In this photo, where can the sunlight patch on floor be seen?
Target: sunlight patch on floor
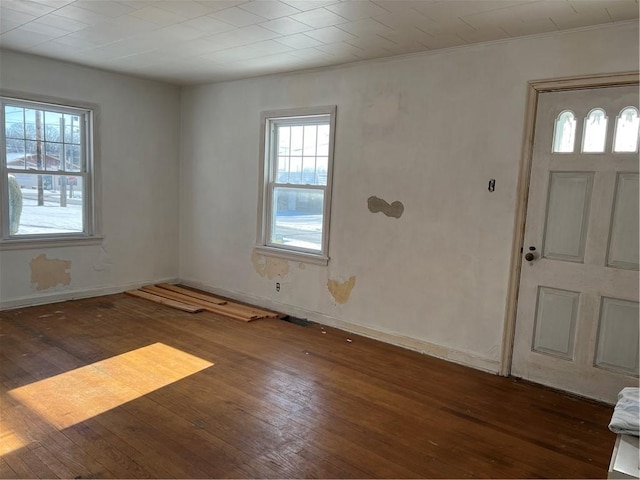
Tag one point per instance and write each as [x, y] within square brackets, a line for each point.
[77, 395]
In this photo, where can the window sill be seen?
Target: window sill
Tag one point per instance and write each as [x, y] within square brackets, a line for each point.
[33, 243]
[291, 255]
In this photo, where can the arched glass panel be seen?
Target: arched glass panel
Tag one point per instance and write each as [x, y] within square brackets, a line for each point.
[595, 131]
[627, 128]
[564, 134]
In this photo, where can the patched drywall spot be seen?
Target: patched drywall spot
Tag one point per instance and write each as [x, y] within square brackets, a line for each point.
[269, 267]
[302, 266]
[376, 205]
[341, 290]
[49, 272]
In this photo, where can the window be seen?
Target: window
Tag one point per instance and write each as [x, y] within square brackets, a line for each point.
[296, 166]
[564, 134]
[47, 172]
[627, 127]
[595, 131]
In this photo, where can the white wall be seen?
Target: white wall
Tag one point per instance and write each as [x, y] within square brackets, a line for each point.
[428, 130]
[138, 133]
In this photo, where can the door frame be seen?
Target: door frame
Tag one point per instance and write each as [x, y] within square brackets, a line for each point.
[535, 88]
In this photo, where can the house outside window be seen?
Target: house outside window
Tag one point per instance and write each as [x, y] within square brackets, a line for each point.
[296, 171]
[47, 173]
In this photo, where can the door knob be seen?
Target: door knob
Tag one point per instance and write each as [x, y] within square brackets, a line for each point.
[529, 257]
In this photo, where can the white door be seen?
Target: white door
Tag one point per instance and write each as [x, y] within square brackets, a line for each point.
[577, 319]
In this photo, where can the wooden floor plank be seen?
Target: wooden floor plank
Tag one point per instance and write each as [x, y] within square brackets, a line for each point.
[282, 401]
[185, 307]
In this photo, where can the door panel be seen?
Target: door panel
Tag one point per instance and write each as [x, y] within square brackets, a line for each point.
[577, 318]
[623, 248]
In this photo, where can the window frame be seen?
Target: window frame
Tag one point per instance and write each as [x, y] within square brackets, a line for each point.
[269, 120]
[89, 171]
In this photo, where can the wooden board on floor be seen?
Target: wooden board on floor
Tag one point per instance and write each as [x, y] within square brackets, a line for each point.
[212, 298]
[210, 307]
[185, 307]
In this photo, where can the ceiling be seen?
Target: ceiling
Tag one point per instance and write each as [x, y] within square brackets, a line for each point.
[188, 41]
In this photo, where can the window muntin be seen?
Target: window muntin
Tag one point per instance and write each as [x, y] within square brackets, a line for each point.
[295, 204]
[627, 131]
[46, 172]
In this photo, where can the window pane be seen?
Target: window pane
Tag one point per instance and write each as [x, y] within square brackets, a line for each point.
[322, 166]
[297, 218]
[30, 122]
[296, 140]
[283, 170]
[71, 129]
[14, 122]
[52, 126]
[16, 155]
[52, 157]
[595, 131]
[323, 140]
[627, 129]
[73, 159]
[284, 137]
[310, 139]
[61, 208]
[564, 135]
[309, 170]
[295, 170]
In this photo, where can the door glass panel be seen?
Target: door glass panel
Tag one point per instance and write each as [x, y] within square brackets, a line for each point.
[627, 128]
[564, 134]
[595, 131]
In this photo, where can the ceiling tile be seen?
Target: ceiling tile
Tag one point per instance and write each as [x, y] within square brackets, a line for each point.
[80, 14]
[298, 41]
[238, 17]
[191, 48]
[395, 6]
[621, 10]
[241, 36]
[270, 9]
[156, 15]
[319, 18]
[105, 7]
[305, 5]
[19, 38]
[185, 8]
[42, 29]
[286, 26]
[582, 19]
[365, 27]
[232, 54]
[357, 10]
[15, 16]
[6, 25]
[271, 47]
[484, 35]
[329, 35]
[216, 5]
[340, 49]
[61, 22]
[445, 40]
[375, 42]
[402, 19]
[26, 6]
[515, 29]
[208, 25]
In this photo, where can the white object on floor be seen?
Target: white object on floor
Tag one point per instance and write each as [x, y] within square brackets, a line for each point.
[625, 462]
[626, 414]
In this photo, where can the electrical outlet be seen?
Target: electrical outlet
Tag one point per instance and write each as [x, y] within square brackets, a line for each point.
[277, 286]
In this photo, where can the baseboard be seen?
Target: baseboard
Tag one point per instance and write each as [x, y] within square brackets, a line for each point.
[63, 296]
[456, 356]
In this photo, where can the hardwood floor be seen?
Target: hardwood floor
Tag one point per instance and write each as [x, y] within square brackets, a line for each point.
[121, 387]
